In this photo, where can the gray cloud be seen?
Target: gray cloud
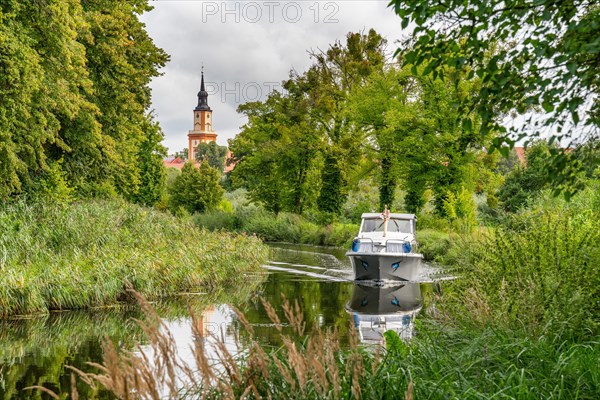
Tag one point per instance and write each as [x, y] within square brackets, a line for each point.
[242, 57]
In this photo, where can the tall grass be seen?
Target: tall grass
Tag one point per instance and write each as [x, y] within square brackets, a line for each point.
[86, 254]
[434, 244]
[443, 361]
[538, 271]
[455, 361]
[522, 322]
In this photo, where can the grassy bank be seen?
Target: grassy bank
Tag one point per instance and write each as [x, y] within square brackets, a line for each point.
[444, 361]
[85, 254]
[284, 227]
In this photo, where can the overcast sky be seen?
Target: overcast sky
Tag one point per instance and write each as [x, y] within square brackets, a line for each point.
[247, 47]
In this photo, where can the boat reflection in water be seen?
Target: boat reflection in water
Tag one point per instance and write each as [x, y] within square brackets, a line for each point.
[376, 310]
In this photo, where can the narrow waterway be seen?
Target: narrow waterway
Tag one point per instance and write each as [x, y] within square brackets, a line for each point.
[36, 350]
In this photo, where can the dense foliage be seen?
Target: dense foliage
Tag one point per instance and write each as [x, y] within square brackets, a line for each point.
[521, 322]
[548, 254]
[539, 59]
[283, 227]
[303, 140]
[213, 154]
[196, 189]
[355, 132]
[75, 98]
[353, 116]
[419, 142]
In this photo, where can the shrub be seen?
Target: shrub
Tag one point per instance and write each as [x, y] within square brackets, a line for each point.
[215, 220]
[431, 221]
[433, 244]
[196, 189]
[461, 209]
[340, 235]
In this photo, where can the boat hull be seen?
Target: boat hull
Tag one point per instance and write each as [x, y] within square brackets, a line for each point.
[385, 266]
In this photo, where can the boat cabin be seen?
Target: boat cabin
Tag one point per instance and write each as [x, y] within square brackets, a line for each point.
[399, 226]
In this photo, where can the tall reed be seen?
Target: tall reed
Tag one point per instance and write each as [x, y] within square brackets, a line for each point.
[308, 365]
[284, 227]
[86, 254]
[443, 361]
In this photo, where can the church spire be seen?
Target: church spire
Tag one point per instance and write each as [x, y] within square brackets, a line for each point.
[202, 96]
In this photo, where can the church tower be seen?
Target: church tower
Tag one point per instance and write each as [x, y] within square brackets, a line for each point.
[203, 131]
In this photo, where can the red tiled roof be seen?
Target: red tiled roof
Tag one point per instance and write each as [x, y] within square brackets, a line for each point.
[229, 163]
[520, 154]
[174, 163]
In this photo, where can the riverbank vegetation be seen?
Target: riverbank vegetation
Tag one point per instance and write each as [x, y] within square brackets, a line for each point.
[282, 227]
[76, 103]
[357, 131]
[519, 323]
[88, 253]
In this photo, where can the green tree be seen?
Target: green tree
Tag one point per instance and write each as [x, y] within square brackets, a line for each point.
[74, 95]
[121, 60]
[543, 64]
[213, 153]
[153, 174]
[277, 152]
[196, 189]
[526, 181]
[302, 143]
[411, 122]
[183, 154]
[43, 88]
[328, 85]
[369, 105]
[508, 164]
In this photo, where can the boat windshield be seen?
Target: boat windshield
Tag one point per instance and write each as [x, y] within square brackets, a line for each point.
[394, 225]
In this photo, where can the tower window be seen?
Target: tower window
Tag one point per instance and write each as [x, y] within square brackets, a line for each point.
[197, 116]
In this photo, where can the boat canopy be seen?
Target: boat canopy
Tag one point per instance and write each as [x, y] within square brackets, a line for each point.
[392, 216]
[374, 225]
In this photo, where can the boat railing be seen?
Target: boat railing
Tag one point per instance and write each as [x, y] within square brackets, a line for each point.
[367, 245]
[363, 247]
[397, 246]
[394, 246]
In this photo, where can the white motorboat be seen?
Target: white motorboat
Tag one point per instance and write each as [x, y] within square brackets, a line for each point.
[385, 248]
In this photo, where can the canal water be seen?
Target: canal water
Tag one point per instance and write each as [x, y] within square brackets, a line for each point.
[37, 350]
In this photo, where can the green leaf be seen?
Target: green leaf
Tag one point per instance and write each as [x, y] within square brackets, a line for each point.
[547, 106]
[395, 345]
[467, 124]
